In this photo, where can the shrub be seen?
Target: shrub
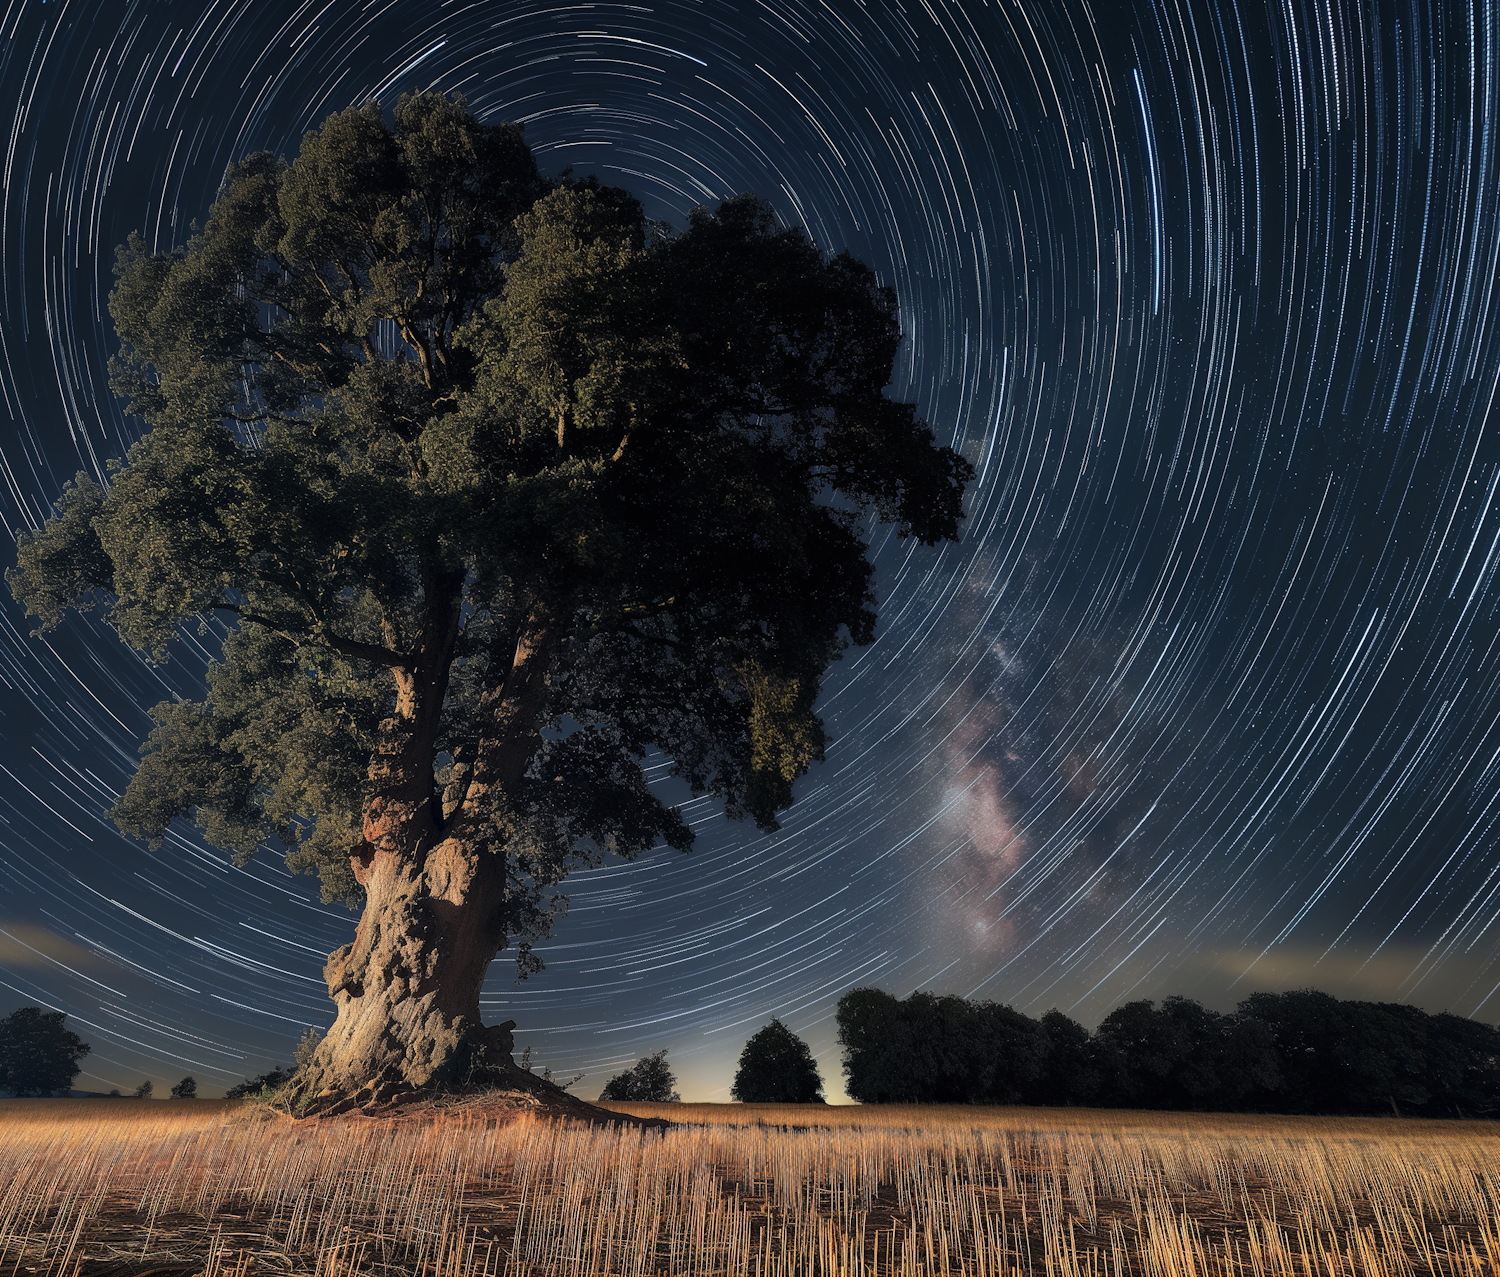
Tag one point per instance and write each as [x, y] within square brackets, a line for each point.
[272, 1081]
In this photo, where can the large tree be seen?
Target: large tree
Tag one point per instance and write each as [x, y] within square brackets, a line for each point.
[38, 1056]
[776, 1067]
[499, 491]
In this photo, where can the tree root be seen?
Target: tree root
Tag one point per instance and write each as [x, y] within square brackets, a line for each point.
[509, 1092]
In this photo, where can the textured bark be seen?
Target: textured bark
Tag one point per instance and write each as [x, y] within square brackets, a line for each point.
[407, 988]
[515, 708]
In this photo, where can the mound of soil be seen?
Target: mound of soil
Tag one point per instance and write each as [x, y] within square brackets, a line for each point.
[520, 1094]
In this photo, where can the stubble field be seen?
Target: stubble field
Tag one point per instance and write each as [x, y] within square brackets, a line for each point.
[93, 1187]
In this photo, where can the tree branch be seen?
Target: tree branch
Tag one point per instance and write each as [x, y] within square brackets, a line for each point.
[424, 356]
[352, 648]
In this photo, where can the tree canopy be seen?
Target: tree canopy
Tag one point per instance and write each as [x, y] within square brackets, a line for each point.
[776, 1067]
[932, 1049]
[1297, 1052]
[649, 1081]
[38, 1055]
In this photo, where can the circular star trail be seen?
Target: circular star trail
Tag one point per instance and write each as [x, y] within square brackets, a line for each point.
[1205, 701]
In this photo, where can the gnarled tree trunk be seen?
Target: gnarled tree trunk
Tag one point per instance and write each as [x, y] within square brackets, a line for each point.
[407, 988]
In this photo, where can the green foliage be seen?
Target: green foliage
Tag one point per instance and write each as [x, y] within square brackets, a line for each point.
[414, 413]
[649, 1082]
[1181, 1055]
[38, 1056]
[930, 1049]
[1299, 1052]
[280, 744]
[261, 1086]
[307, 1046]
[67, 567]
[776, 1067]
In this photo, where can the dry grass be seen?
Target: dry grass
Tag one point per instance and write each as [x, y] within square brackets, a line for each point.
[89, 1187]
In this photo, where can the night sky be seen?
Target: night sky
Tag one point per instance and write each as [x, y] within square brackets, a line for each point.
[1206, 700]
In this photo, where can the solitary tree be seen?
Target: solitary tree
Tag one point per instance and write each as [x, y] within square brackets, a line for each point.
[38, 1056]
[496, 490]
[187, 1089]
[144, 1090]
[776, 1067]
[650, 1081]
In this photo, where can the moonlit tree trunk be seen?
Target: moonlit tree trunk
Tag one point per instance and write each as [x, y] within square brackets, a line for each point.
[407, 988]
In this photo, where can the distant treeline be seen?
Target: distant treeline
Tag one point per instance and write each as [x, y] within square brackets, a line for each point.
[1303, 1052]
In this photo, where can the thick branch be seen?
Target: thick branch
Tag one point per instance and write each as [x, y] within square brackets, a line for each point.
[351, 648]
[413, 339]
[404, 814]
[515, 710]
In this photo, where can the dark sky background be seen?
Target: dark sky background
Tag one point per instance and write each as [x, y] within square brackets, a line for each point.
[1205, 701]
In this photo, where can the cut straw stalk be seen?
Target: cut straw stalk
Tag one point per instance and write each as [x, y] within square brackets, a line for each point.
[747, 1189]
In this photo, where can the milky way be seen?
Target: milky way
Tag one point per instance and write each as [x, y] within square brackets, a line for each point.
[1205, 701]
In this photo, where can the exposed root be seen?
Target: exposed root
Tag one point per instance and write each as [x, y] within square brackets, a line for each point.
[515, 1093]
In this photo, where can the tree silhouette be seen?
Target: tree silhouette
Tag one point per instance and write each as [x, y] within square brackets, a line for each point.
[776, 1067]
[1070, 1073]
[495, 491]
[931, 1049]
[650, 1081]
[277, 1078]
[38, 1056]
[1181, 1055]
[1297, 1052]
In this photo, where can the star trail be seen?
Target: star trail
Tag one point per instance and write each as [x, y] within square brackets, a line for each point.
[1205, 701]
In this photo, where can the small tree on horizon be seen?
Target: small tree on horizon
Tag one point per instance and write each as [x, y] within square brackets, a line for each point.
[776, 1067]
[274, 1080]
[489, 491]
[650, 1081]
[187, 1089]
[144, 1090]
[38, 1055]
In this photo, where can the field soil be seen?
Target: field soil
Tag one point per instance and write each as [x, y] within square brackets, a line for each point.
[509, 1185]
